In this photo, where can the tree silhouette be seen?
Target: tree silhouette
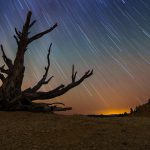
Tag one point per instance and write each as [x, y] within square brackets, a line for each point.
[11, 95]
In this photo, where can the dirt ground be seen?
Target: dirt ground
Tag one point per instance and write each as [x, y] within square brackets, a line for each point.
[43, 131]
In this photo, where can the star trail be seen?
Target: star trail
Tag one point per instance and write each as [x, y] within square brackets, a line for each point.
[110, 36]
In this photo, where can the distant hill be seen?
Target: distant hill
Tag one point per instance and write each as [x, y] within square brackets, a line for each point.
[142, 110]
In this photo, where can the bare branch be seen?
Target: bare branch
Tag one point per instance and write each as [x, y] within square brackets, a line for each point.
[73, 74]
[7, 60]
[27, 23]
[39, 35]
[43, 79]
[39, 84]
[56, 103]
[60, 90]
[3, 70]
[33, 22]
[18, 33]
[17, 41]
[61, 109]
[2, 77]
[47, 81]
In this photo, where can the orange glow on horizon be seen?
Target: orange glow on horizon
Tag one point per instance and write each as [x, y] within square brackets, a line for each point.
[113, 111]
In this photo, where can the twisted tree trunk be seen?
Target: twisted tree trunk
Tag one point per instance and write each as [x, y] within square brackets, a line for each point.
[11, 95]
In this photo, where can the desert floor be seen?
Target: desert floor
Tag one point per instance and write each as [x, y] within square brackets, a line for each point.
[43, 131]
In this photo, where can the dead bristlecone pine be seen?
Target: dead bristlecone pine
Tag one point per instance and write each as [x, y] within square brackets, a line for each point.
[12, 74]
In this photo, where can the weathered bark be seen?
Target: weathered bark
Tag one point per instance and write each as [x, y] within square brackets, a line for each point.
[11, 95]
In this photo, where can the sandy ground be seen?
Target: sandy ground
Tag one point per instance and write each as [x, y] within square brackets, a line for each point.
[42, 131]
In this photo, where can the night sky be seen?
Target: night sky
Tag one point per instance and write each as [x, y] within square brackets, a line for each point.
[110, 36]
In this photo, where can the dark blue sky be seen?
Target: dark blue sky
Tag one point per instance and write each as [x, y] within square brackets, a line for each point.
[110, 36]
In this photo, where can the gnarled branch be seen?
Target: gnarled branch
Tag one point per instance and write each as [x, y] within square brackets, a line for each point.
[18, 33]
[73, 74]
[33, 22]
[2, 77]
[60, 90]
[7, 60]
[39, 35]
[17, 41]
[43, 79]
[27, 23]
[17, 37]
[3, 70]
[56, 103]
